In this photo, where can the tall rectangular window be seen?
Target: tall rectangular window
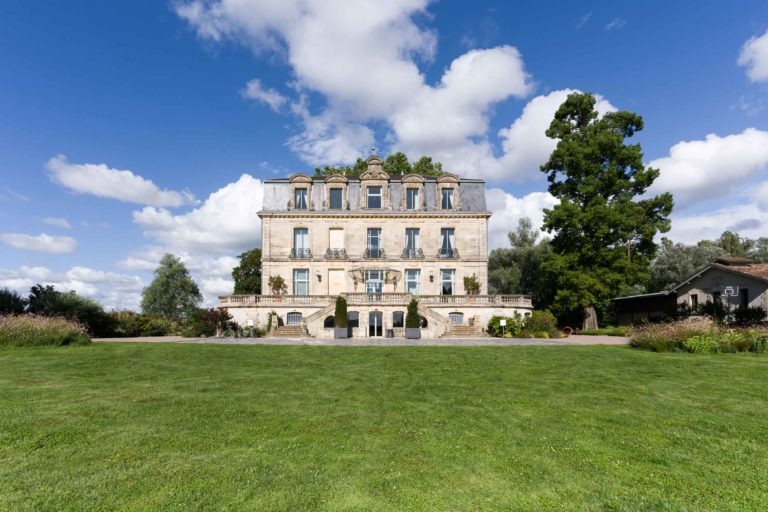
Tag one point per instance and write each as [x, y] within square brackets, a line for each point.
[373, 198]
[446, 201]
[743, 298]
[694, 301]
[447, 281]
[374, 245]
[411, 198]
[412, 239]
[301, 243]
[335, 199]
[301, 281]
[447, 242]
[412, 281]
[300, 199]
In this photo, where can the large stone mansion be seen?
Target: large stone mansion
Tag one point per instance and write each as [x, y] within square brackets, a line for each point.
[379, 241]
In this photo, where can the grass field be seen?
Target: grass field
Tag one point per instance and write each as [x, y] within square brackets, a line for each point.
[202, 427]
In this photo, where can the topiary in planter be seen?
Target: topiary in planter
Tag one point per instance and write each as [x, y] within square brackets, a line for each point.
[412, 321]
[340, 321]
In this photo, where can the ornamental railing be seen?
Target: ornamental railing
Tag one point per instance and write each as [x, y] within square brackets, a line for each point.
[448, 253]
[412, 254]
[336, 254]
[521, 301]
[301, 254]
[373, 253]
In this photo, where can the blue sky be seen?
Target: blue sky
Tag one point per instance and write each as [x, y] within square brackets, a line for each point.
[198, 101]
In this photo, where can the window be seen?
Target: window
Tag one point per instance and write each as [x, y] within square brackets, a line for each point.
[694, 300]
[374, 281]
[301, 281]
[353, 320]
[447, 243]
[374, 197]
[336, 199]
[446, 202]
[412, 244]
[412, 281]
[374, 247]
[411, 198]
[300, 199]
[293, 319]
[328, 323]
[743, 298]
[716, 298]
[301, 243]
[456, 318]
[447, 278]
[397, 319]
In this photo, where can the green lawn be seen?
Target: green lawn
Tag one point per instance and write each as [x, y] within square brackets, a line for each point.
[202, 427]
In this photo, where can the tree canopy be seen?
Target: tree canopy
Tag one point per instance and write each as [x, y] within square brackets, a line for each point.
[172, 294]
[677, 262]
[247, 274]
[11, 303]
[602, 233]
[396, 164]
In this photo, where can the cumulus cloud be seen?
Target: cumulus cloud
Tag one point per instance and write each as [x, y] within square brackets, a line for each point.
[40, 243]
[102, 181]
[754, 57]
[58, 222]
[255, 91]
[748, 219]
[508, 210]
[701, 170]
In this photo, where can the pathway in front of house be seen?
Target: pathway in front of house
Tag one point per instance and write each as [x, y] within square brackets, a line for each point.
[384, 342]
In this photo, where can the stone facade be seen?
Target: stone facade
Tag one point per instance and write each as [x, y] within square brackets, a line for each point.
[380, 241]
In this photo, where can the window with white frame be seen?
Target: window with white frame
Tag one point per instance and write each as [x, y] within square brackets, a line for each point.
[412, 242]
[301, 243]
[373, 197]
[447, 242]
[446, 201]
[301, 281]
[447, 281]
[374, 245]
[411, 198]
[300, 199]
[412, 281]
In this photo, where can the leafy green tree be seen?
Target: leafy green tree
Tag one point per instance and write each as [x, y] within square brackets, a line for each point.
[519, 269]
[172, 294]
[603, 234]
[734, 245]
[11, 303]
[47, 301]
[759, 250]
[351, 172]
[424, 166]
[247, 274]
[677, 262]
[397, 164]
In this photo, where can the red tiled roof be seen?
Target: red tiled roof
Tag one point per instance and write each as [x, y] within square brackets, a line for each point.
[734, 260]
[756, 269]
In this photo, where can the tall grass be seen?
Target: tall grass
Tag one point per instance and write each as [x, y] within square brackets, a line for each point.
[697, 337]
[34, 330]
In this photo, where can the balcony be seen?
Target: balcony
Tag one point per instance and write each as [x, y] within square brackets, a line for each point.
[412, 254]
[509, 301]
[336, 254]
[301, 254]
[447, 254]
[373, 253]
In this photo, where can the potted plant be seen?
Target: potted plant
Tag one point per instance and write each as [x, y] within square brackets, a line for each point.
[277, 286]
[340, 330]
[412, 321]
[471, 287]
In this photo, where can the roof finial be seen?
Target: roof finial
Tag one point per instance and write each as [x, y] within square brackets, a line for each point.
[373, 150]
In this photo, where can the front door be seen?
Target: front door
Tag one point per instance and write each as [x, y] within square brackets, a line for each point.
[336, 282]
[375, 320]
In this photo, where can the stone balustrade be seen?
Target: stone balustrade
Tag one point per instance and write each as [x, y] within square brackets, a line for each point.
[520, 301]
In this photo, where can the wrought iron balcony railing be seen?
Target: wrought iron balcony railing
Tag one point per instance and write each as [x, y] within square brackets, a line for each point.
[448, 253]
[413, 254]
[374, 253]
[336, 254]
[301, 254]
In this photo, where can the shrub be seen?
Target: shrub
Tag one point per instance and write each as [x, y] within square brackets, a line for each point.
[607, 331]
[11, 303]
[209, 322]
[749, 316]
[471, 285]
[277, 285]
[412, 320]
[541, 334]
[130, 324]
[35, 330]
[542, 321]
[667, 337]
[47, 301]
[701, 344]
[514, 326]
[340, 319]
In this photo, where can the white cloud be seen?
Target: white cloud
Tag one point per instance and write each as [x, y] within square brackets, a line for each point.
[508, 210]
[701, 170]
[748, 219]
[8, 194]
[102, 181]
[58, 222]
[754, 56]
[615, 24]
[40, 243]
[255, 91]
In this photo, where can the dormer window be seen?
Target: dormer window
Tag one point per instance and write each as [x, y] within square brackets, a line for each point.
[446, 201]
[335, 199]
[300, 199]
[411, 198]
[373, 197]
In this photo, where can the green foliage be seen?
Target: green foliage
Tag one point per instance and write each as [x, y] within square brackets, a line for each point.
[620, 330]
[340, 314]
[471, 285]
[351, 172]
[11, 303]
[412, 320]
[677, 262]
[603, 235]
[397, 164]
[130, 324]
[172, 294]
[701, 344]
[277, 285]
[512, 330]
[542, 321]
[749, 315]
[424, 166]
[209, 322]
[697, 338]
[47, 301]
[34, 330]
[519, 268]
[734, 245]
[247, 274]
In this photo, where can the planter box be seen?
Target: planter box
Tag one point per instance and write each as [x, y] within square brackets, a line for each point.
[412, 333]
[340, 333]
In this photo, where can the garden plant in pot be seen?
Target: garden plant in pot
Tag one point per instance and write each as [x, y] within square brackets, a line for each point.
[277, 286]
[340, 319]
[412, 321]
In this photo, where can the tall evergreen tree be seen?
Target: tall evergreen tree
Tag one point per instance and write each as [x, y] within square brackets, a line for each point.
[603, 234]
[247, 274]
[172, 294]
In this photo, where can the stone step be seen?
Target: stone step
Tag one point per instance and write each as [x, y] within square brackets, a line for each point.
[290, 331]
[463, 331]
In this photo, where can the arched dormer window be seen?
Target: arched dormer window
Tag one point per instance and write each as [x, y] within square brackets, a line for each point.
[374, 186]
[301, 192]
[448, 192]
[336, 193]
[413, 192]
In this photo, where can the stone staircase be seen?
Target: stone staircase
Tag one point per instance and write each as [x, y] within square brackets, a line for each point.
[463, 331]
[291, 331]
